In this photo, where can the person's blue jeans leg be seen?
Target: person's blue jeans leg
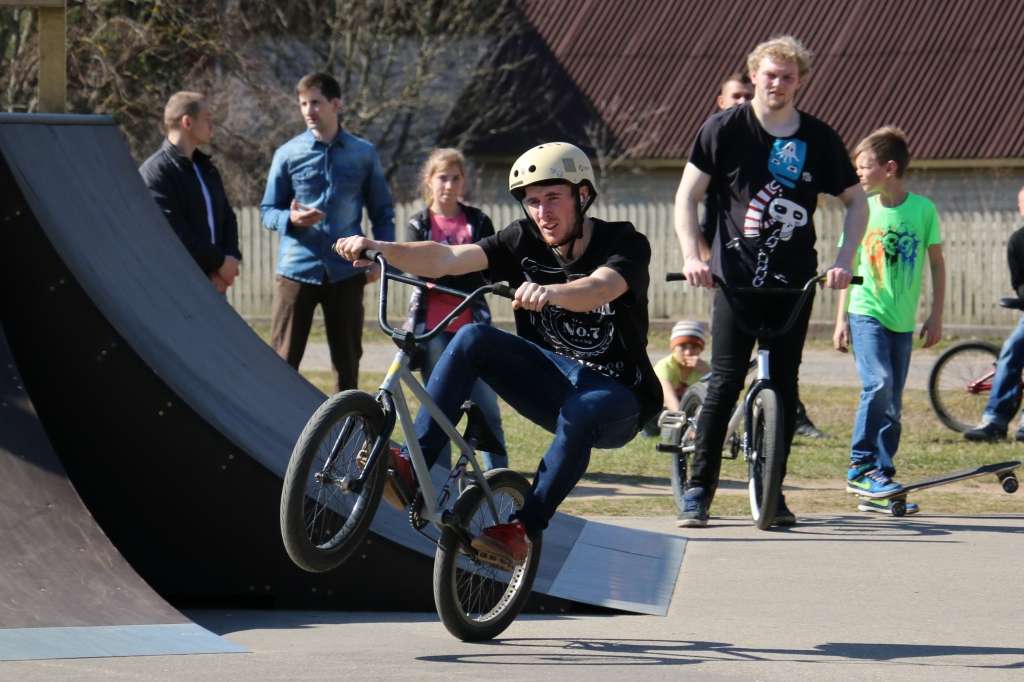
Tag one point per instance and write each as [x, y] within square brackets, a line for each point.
[581, 407]
[873, 356]
[1005, 394]
[900, 346]
[481, 395]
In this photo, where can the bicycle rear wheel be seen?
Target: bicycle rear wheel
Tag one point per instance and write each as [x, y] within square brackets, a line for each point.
[322, 519]
[764, 468]
[477, 601]
[960, 382]
[690, 405]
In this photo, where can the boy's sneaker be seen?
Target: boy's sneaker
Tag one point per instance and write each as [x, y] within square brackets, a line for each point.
[504, 545]
[695, 509]
[1019, 436]
[783, 515]
[986, 433]
[405, 477]
[870, 482]
[884, 506]
[804, 426]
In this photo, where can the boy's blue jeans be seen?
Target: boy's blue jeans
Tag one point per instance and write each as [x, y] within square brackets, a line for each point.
[1005, 393]
[883, 359]
[481, 394]
[582, 407]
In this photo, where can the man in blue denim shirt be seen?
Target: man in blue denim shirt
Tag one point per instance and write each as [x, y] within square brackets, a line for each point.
[318, 184]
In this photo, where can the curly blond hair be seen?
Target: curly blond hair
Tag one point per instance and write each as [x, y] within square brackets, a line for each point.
[782, 49]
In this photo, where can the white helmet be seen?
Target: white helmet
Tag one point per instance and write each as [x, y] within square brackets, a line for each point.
[551, 161]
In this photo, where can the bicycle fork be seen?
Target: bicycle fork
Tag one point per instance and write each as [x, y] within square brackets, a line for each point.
[763, 378]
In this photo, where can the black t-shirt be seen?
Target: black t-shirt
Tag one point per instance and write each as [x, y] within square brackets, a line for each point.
[611, 339]
[763, 193]
[1015, 257]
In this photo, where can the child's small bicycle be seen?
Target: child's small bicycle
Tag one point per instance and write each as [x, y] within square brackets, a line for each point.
[337, 472]
[961, 379]
[763, 442]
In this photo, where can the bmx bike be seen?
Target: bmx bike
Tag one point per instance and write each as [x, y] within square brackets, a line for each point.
[961, 379]
[337, 471]
[763, 440]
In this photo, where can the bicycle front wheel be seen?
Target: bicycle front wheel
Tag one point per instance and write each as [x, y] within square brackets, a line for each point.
[960, 382]
[323, 519]
[477, 601]
[764, 467]
[690, 405]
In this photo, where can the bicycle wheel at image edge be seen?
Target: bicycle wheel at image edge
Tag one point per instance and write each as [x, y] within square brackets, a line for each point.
[959, 406]
[322, 523]
[690, 405]
[477, 601]
[764, 470]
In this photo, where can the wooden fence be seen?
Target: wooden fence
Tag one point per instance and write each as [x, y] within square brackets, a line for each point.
[974, 246]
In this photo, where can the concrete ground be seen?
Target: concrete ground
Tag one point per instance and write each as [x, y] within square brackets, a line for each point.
[835, 598]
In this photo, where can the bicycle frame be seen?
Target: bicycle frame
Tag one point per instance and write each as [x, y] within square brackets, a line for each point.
[762, 381]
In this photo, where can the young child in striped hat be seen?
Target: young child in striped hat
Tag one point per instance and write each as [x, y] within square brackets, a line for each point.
[684, 366]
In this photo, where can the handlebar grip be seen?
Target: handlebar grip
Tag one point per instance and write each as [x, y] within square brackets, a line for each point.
[504, 290]
[675, 277]
[369, 254]
[857, 279]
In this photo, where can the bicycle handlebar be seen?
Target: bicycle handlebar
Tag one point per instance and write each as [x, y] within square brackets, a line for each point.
[804, 293]
[406, 336]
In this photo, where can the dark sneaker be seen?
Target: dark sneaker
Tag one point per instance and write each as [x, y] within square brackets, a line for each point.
[504, 545]
[804, 426]
[403, 476]
[884, 506]
[695, 509]
[1019, 436]
[783, 515]
[870, 483]
[986, 433]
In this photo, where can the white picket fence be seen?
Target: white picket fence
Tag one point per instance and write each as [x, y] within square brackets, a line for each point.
[974, 246]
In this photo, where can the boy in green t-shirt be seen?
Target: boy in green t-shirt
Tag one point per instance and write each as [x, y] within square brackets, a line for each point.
[902, 228]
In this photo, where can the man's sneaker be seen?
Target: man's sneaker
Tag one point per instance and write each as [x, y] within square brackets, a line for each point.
[804, 426]
[870, 483]
[504, 545]
[986, 433]
[884, 506]
[403, 477]
[1019, 436]
[695, 509]
[783, 515]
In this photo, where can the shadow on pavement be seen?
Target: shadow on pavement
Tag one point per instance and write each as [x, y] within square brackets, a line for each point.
[666, 652]
[859, 528]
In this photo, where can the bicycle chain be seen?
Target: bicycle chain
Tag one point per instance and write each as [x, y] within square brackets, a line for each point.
[417, 521]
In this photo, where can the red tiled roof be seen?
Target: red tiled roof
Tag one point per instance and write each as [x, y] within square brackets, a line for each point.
[949, 72]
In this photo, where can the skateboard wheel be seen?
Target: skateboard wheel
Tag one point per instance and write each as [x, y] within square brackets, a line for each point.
[1010, 484]
[899, 508]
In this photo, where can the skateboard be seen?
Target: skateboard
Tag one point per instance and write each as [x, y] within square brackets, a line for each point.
[1004, 471]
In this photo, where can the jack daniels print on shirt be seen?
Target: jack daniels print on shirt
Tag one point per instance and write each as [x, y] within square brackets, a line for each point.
[765, 192]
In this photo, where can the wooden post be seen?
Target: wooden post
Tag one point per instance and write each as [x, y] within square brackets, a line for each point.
[53, 65]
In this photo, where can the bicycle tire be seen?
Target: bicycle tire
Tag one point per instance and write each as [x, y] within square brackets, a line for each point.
[764, 469]
[690, 405]
[956, 407]
[321, 525]
[477, 601]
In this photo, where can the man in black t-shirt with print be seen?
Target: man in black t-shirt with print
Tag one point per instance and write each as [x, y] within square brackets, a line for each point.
[578, 366]
[762, 166]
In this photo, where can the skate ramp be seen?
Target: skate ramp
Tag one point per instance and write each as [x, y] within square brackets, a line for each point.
[175, 421]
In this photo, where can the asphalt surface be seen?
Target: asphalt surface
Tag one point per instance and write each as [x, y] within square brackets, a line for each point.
[835, 598]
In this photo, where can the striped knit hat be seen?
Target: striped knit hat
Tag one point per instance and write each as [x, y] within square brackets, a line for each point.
[687, 331]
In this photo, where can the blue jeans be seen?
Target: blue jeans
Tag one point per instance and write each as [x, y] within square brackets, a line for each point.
[883, 358]
[481, 394]
[1005, 394]
[581, 407]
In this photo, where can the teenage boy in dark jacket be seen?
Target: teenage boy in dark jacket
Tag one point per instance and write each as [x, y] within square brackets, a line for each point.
[188, 189]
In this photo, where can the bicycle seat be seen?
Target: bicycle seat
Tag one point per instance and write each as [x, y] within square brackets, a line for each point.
[478, 433]
[1012, 302]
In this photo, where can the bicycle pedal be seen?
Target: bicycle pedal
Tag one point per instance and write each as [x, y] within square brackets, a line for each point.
[495, 560]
